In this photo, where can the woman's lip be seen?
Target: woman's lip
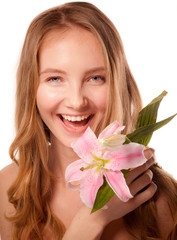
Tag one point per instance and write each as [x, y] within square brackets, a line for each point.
[78, 130]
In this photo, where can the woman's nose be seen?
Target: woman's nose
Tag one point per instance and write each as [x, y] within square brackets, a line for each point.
[76, 98]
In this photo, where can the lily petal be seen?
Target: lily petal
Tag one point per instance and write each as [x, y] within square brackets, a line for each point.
[118, 184]
[113, 142]
[128, 156]
[89, 186]
[73, 173]
[85, 145]
[111, 129]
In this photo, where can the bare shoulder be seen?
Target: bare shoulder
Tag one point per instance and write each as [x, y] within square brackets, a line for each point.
[7, 176]
[9, 169]
[164, 215]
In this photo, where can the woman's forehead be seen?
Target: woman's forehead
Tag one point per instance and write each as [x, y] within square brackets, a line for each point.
[72, 43]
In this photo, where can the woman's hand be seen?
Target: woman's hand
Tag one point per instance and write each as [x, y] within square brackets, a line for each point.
[90, 226]
[141, 187]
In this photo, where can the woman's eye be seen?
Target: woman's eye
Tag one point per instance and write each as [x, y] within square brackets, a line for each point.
[98, 79]
[54, 79]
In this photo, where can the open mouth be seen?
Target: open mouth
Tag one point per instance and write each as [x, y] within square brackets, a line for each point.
[75, 122]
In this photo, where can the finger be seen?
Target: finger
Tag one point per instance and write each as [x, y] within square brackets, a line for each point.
[148, 153]
[145, 195]
[141, 182]
[134, 173]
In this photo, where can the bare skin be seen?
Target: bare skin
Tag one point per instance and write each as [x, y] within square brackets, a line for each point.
[101, 225]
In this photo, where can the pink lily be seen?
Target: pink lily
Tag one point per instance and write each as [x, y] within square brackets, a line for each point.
[105, 156]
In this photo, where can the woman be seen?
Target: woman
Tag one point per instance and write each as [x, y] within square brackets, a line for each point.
[73, 74]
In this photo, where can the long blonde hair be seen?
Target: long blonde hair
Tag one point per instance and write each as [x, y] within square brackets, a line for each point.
[30, 193]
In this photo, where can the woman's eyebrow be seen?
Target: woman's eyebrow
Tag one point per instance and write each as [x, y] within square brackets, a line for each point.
[95, 70]
[51, 70]
[87, 72]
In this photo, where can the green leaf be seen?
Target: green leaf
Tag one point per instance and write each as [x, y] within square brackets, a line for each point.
[148, 115]
[104, 194]
[143, 135]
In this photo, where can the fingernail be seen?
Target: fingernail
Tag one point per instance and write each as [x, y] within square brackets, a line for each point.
[149, 153]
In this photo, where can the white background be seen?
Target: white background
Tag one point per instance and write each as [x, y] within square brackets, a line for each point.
[149, 32]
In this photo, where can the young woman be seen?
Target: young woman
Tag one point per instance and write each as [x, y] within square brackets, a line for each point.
[73, 74]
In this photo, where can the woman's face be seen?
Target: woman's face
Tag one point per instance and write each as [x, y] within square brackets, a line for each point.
[72, 92]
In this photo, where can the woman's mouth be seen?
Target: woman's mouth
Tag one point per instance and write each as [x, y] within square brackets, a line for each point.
[75, 123]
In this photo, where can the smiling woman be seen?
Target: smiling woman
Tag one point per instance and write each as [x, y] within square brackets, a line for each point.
[73, 80]
[69, 78]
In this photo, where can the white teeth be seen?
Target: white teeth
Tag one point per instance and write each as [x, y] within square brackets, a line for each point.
[74, 119]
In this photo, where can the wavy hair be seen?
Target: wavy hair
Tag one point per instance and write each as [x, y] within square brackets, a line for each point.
[30, 192]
